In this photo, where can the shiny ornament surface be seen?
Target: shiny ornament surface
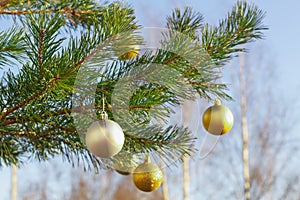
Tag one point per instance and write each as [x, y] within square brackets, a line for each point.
[128, 55]
[125, 162]
[147, 177]
[217, 119]
[104, 138]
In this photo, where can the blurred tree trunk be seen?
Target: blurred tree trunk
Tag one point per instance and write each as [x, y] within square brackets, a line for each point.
[14, 182]
[245, 149]
[165, 189]
[81, 190]
[188, 109]
[186, 179]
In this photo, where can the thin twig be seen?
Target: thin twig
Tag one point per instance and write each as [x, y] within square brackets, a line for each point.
[66, 11]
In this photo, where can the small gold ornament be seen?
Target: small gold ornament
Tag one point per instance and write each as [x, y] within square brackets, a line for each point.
[147, 177]
[128, 55]
[217, 119]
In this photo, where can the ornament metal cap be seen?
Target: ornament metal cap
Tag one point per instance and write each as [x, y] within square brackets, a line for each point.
[217, 102]
[103, 115]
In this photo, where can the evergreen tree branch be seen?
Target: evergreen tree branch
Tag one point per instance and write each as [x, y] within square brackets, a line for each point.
[171, 142]
[76, 12]
[242, 25]
[36, 104]
[45, 85]
[11, 46]
[52, 47]
[39, 55]
[28, 100]
[198, 67]
[187, 23]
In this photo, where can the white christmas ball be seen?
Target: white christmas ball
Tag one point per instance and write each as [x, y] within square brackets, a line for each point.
[104, 138]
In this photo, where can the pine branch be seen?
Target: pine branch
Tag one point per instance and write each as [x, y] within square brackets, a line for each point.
[31, 99]
[11, 46]
[242, 25]
[187, 23]
[49, 53]
[37, 105]
[200, 70]
[76, 12]
[43, 48]
[26, 101]
[172, 143]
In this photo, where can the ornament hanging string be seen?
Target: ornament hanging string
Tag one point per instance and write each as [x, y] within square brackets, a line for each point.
[103, 114]
[103, 103]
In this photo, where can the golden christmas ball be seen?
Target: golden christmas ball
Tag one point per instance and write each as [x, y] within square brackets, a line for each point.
[128, 55]
[147, 177]
[217, 119]
[104, 138]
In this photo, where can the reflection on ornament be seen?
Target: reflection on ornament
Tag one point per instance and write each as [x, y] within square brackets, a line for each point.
[125, 173]
[217, 119]
[104, 138]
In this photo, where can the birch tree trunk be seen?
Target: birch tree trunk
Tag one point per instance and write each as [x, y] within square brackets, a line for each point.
[245, 149]
[165, 190]
[187, 109]
[186, 179]
[14, 182]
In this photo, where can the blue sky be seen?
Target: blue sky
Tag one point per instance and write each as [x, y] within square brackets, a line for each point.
[282, 42]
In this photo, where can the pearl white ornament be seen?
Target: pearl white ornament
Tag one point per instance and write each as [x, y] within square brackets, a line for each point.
[104, 138]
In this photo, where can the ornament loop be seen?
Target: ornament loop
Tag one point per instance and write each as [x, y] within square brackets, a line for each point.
[103, 115]
[147, 158]
[217, 102]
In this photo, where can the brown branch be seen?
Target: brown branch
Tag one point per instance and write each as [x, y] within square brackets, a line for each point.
[67, 11]
[40, 134]
[210, 85]
[240, 30]
[148, 141]
[174, 59]
[13, 120]
[210, 49]
[9, 49]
